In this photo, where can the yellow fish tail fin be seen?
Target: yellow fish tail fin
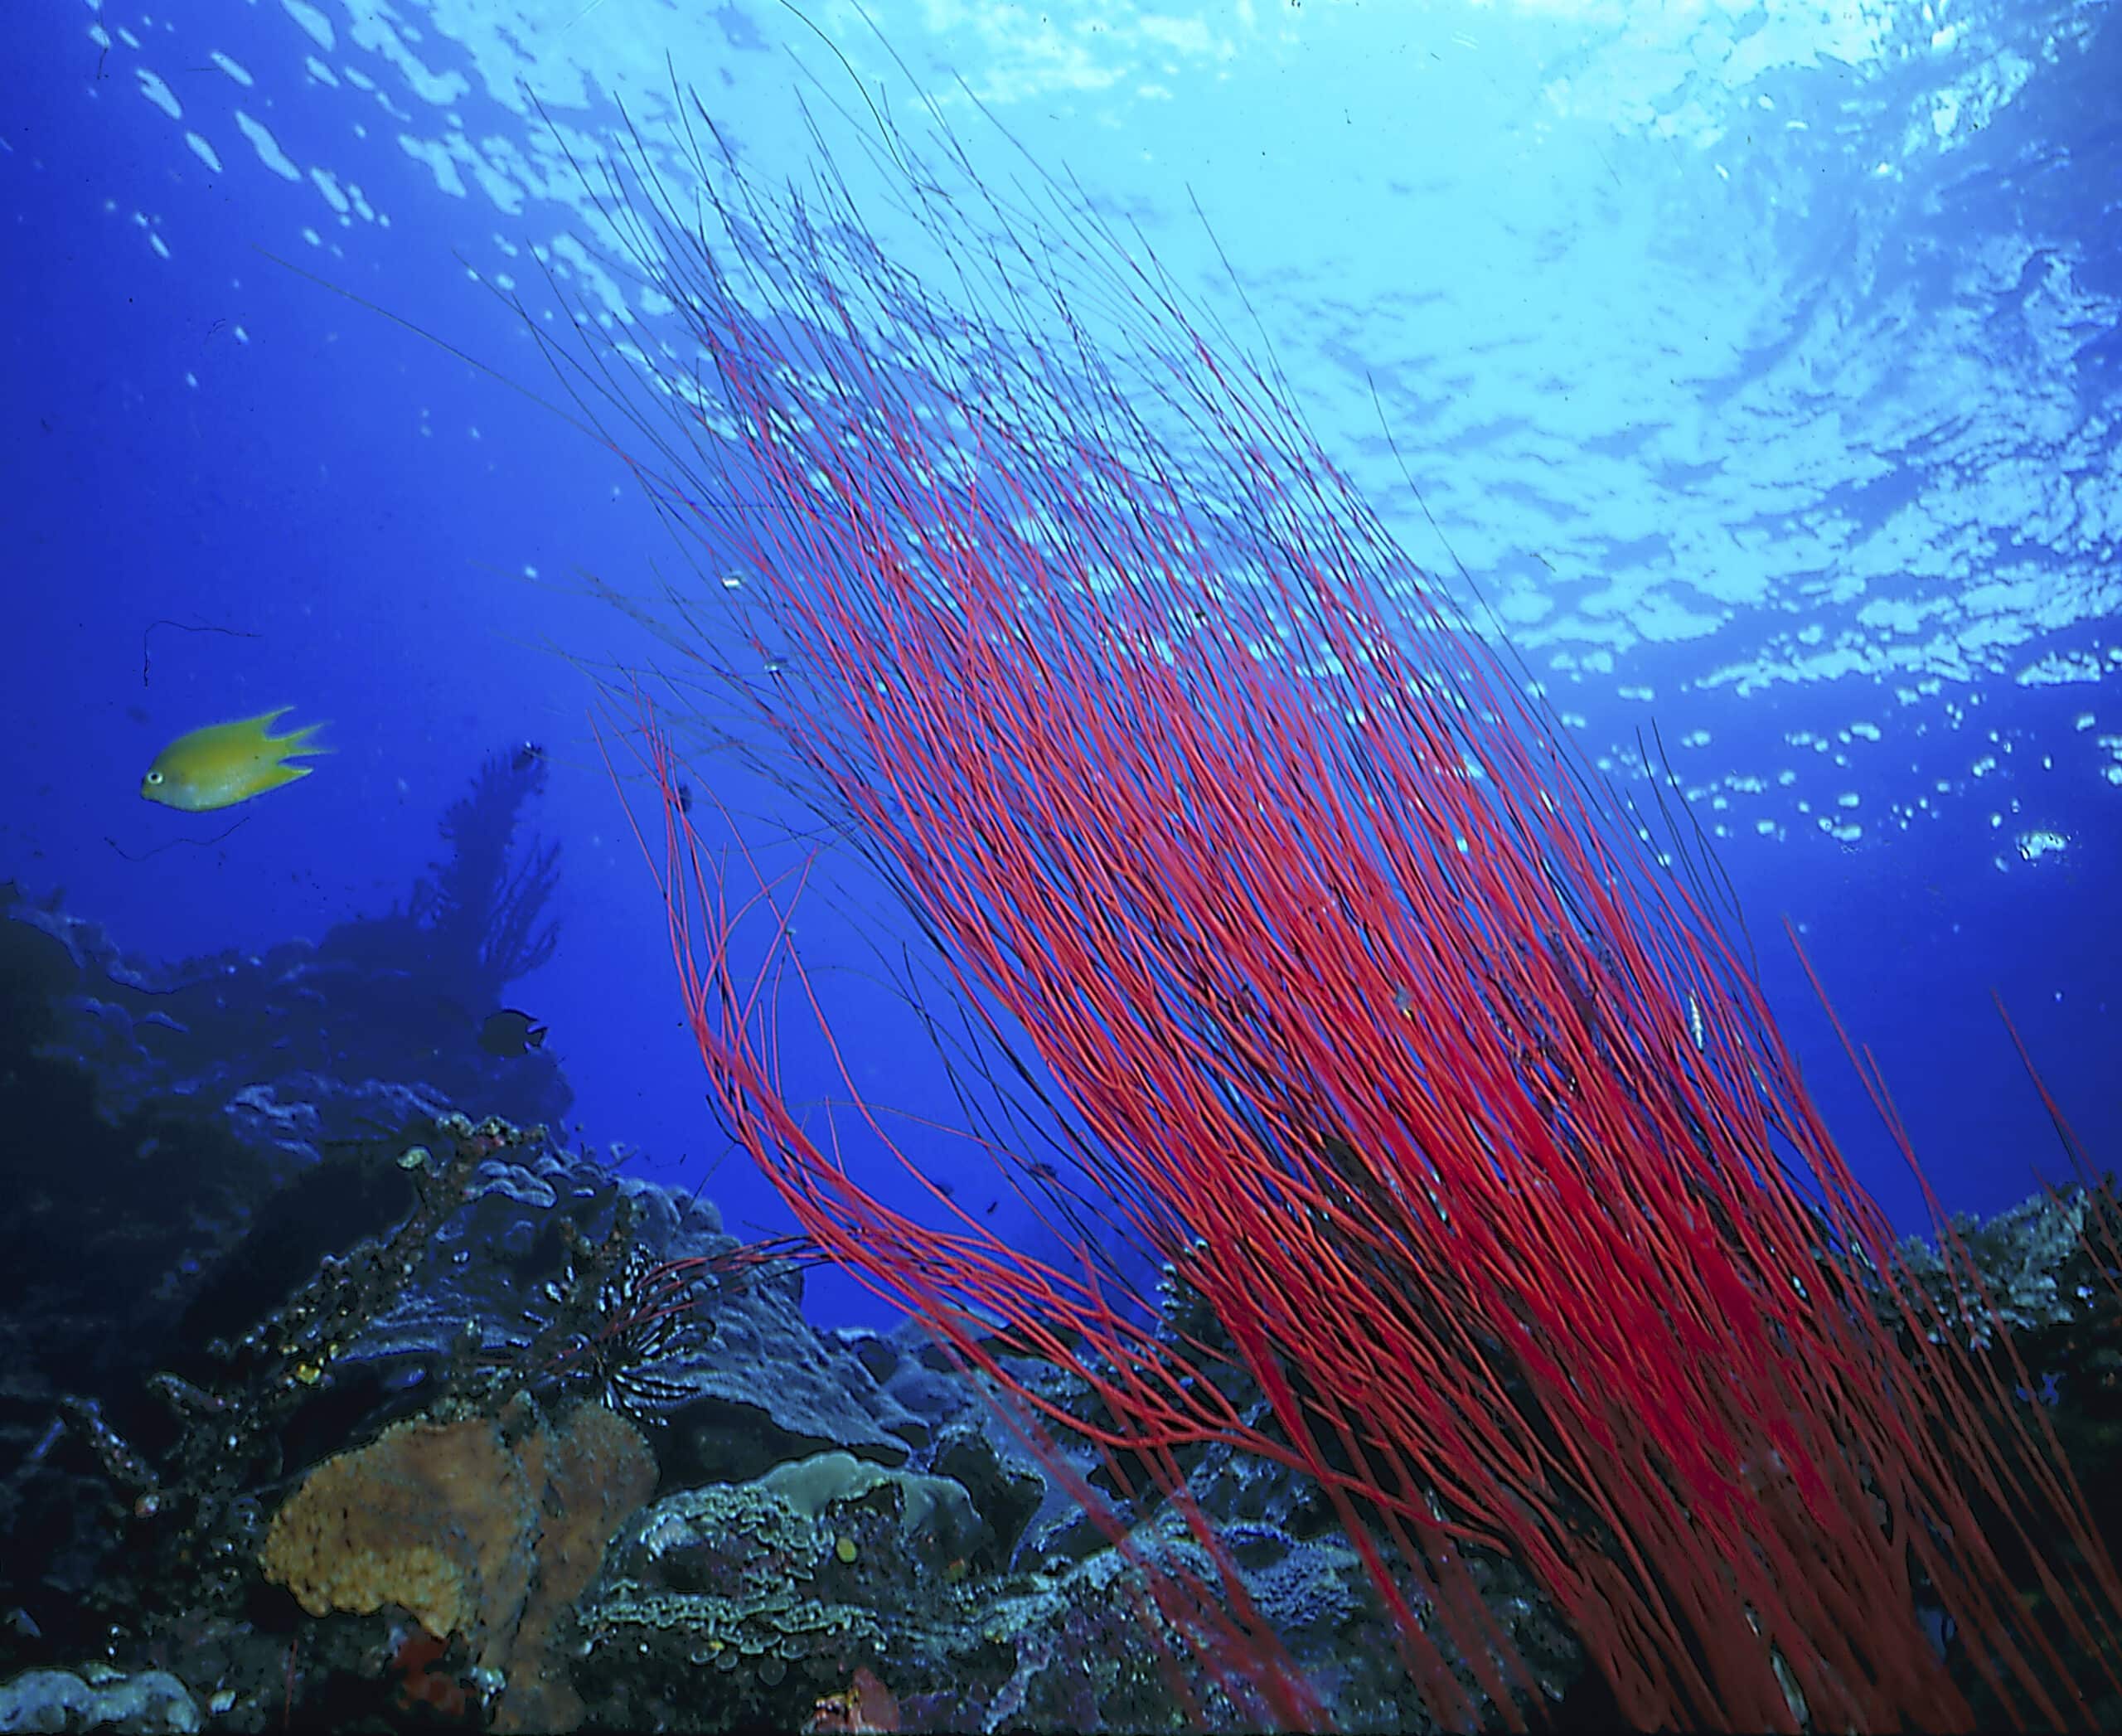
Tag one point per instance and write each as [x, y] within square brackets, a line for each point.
[260, 726]
[301, 741]
[273, 776]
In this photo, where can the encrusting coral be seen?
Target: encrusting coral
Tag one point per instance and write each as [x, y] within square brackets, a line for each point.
[481, 1529]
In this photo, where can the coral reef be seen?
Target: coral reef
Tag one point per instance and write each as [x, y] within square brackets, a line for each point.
[537, 1255]
[98, 1699]
[311, 1420]
[483, 1529]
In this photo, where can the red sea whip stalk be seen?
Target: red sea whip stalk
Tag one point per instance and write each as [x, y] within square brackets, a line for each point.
[1454, 1109]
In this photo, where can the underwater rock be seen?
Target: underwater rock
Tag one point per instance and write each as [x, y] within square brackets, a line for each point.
[373, 999]
[934, 1512]
[2035, 1259]
[750, 1384]
[148, 1704]
[726, 1600]
[484, 1528]
[305, 1115]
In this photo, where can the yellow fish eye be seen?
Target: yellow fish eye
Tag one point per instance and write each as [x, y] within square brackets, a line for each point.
[154, 777]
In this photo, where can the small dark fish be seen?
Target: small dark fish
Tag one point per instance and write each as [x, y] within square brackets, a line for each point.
[1039, 1170]
[684, 798]
[528, 755]
[508, 1034]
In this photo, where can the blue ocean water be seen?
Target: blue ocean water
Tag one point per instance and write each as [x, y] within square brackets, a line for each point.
[1762, 366]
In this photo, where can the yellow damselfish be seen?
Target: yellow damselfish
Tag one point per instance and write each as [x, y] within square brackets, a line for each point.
[225, 763]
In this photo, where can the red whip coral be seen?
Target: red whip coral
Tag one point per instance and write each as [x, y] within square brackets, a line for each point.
[1373, 1016]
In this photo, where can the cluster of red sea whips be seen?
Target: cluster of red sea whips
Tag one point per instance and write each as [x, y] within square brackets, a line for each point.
[1375, 1016]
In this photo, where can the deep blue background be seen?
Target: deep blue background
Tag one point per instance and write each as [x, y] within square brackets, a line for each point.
[211, 438]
